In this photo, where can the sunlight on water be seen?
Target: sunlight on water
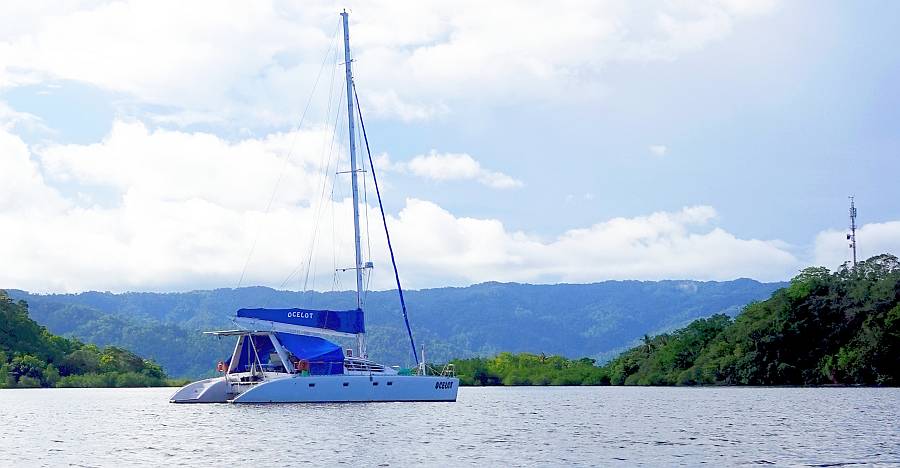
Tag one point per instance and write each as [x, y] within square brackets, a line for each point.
[505, 426]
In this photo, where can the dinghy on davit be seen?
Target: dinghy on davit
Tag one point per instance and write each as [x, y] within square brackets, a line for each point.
[281, 356]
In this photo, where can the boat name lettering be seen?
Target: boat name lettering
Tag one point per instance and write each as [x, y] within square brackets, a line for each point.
[304, 315]
[448, 384]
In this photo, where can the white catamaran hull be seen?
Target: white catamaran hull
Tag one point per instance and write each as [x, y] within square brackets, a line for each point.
[213, 390]
[325, 388]
[279, 356]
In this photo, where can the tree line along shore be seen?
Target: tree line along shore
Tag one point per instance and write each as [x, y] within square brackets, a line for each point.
[824, 328]
[31, 357]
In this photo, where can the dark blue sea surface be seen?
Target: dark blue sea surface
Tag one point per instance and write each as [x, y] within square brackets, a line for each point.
[551, 426]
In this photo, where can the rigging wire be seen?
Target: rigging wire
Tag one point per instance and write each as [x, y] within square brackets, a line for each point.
[326, 169]
[338, 192]
[387, 234]
[334, 274]
[290, 154]
[369, 271]
[335, 277]
[312, 267]
[323, 163]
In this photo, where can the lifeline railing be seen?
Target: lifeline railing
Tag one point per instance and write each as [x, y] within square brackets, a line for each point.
[360, 365]
[449, 370]
[258, 371]
[308, 367]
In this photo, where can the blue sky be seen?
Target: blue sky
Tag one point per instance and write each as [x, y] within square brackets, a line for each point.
[521, 142]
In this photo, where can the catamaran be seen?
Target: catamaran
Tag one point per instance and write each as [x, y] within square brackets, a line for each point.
[281, 355]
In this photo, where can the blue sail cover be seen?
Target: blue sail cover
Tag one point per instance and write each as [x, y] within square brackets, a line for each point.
[345, 321]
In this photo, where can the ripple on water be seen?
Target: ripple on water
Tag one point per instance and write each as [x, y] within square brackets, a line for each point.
[497, 426]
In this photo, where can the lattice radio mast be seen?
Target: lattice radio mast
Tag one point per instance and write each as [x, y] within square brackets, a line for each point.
[852, 236]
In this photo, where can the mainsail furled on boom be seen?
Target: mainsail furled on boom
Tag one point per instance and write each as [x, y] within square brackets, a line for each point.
[333, 322]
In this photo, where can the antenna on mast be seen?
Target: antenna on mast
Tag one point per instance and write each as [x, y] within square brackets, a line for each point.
[852, 236]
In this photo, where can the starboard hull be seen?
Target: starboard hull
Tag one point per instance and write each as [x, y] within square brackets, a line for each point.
[326, 389]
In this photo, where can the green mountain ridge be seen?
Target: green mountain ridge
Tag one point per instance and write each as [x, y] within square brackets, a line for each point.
[30, 356]
[596, 320]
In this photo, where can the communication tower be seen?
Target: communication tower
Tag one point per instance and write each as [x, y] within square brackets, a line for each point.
[852, 236]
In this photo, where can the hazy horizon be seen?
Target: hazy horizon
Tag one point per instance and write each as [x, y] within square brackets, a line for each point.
[326, 291]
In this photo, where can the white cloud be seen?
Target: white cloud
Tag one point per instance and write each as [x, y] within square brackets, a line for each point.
[750, 7]
[458, 166]
[658, 150]
[190, 205]
[446, 248]
[384, 164]
[414, 59]
[390, 104]
[187, 206]
[23, 190]
[172, 165]
[587, 197]
[831, 248]
[10, 119]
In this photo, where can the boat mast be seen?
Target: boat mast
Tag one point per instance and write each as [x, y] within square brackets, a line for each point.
[360, 338]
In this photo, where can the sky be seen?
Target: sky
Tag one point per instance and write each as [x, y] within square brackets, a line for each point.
[171, 146]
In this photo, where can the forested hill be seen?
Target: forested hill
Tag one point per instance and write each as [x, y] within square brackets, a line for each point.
[30, 356]
[824, 328]
[574, 320]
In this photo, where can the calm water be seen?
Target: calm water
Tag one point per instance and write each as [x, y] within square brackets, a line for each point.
[487, 426]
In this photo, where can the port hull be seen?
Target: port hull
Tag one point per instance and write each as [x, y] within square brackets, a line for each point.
[213, 390]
